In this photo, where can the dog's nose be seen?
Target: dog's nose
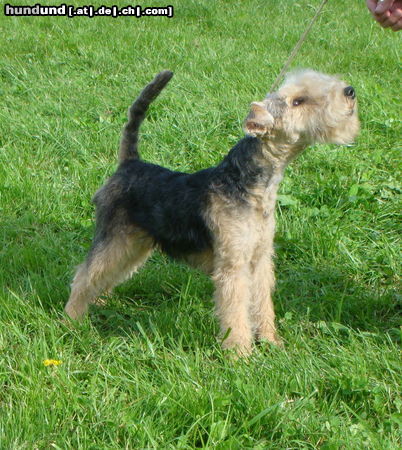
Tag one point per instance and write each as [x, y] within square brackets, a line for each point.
[349, 92]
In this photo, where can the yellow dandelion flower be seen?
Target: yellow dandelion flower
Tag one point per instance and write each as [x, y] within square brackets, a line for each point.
[52, 362]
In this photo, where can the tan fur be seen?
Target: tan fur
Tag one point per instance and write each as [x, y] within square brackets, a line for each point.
[244, 269]
[109, 265]
[235, 238]
[309, 107]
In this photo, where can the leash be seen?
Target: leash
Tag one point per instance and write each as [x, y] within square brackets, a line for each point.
[296, 48]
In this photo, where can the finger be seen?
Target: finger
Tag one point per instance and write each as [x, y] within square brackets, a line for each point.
[396, 14]
[387, 24]
[383, 6]
[397, 26]
[397, 6]
[383, 17]
[383, 23]
[392, 19]
[396, 18]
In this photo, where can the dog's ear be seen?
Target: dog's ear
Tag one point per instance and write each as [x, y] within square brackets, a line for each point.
[258, 120]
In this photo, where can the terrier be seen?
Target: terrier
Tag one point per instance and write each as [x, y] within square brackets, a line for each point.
[221, 219]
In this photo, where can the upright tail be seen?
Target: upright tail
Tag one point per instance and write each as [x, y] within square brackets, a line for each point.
[136, 114]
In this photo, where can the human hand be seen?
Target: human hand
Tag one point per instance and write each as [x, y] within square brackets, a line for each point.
[388, 13]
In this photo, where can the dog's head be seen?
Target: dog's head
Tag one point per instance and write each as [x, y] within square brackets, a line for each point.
[309, 107]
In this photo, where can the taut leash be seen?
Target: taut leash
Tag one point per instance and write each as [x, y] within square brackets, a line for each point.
[296, 48]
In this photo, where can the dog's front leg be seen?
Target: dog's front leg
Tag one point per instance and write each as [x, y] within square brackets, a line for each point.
[262, 308]
[232, 300]
[263, 285]
[233, 244]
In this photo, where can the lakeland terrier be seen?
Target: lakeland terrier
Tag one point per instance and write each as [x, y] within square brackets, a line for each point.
[221, 219]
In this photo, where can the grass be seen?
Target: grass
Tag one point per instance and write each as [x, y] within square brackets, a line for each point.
[146, 371]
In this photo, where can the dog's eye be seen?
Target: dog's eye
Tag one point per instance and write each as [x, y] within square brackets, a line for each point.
[298, 101]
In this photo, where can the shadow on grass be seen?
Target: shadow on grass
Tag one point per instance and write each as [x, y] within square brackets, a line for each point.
[166, 298]
[173, 303]
[329, 294]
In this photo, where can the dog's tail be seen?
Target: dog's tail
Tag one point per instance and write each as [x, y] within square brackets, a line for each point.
[136, 114]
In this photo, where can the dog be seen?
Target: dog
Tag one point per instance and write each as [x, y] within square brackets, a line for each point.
[220, 219]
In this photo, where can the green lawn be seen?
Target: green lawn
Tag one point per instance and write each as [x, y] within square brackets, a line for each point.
[146, 371]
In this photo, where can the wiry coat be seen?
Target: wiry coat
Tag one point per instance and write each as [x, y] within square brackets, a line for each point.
[173, 206]
[220, 219]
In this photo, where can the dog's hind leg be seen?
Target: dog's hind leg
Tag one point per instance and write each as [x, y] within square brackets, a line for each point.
[110, 262]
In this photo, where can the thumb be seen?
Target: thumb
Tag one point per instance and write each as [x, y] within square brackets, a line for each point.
[383, 6]
[371, 5]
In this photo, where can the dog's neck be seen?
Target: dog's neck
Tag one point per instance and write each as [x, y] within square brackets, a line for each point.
[273, 159]
[253, 167]
[279, 155]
